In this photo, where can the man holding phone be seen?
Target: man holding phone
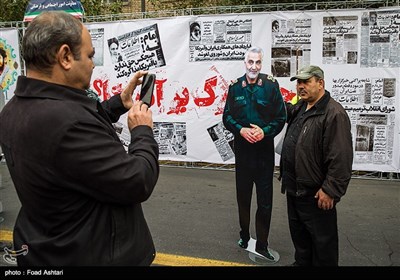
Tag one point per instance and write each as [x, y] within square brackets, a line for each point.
[80, 191]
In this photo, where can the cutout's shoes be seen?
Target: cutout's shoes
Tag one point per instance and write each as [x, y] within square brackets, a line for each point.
[266, 254]
[243, 244]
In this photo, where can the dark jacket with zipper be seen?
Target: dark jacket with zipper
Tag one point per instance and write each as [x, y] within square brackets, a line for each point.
[80, 191]
[324, 151]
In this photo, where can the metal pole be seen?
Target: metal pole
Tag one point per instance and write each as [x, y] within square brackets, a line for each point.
[143, 6]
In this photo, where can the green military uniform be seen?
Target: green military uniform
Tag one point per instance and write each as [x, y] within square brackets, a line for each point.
[262, 104]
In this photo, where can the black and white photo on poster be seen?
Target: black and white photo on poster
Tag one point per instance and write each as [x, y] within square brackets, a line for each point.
[140, 49]
[275, 26]
[389, 87]
[370, 105]
[340, 39]
[291, 45]
[219, 39]
[364, 138]
[223, 141]
[171, 137]
[115, 52]
[372, 138]
[352, 57]
[195, 32]
[380, 44]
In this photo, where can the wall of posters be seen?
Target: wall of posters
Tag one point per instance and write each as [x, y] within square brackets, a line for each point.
[195, 59]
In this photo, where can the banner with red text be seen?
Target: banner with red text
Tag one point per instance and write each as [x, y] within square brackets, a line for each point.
[360, 57]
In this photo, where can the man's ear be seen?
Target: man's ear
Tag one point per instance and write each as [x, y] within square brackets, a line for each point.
[65, 57]
[322, 83]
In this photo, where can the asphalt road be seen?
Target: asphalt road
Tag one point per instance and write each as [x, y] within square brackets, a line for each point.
[192, 215]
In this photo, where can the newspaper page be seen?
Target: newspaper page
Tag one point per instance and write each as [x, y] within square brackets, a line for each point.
[123, 133]
[219, 39]
[171, 137]
[340, 40]
[380, 39]
[138, 50]
[97, 35]
[370, 103]
[291, 46]
[223, 140]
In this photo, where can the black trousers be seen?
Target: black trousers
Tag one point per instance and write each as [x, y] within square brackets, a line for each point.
[314, 232]
[255, 168]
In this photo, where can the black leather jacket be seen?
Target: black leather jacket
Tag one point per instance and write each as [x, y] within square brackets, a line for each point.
[324, 150]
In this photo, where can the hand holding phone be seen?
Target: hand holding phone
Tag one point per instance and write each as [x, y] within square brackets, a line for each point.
[146, 92]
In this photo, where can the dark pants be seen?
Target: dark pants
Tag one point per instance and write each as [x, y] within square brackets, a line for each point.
[255, 167]
[314, 232]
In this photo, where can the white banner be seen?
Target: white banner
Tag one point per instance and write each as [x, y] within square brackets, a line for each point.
[196, 58]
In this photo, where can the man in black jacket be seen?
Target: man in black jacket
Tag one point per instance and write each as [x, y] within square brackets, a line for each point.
[80, 191]
[316, 167]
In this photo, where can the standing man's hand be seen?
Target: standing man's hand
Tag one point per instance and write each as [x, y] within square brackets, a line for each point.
[126, 95]
[325, 202]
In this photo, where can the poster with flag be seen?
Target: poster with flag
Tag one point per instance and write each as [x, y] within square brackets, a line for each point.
[35, 7]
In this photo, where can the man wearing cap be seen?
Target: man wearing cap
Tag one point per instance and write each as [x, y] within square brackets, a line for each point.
[255, 113]
[316, 167]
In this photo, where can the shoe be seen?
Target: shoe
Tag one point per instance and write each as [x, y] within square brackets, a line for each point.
[243, 244]
[266, 254]
[293, 264]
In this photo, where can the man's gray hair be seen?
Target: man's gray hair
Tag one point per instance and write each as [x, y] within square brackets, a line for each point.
[254, 50]
[44, 37]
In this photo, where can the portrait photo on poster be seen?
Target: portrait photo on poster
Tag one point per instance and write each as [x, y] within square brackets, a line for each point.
[113, 46]
[275, 26]
[195, 31]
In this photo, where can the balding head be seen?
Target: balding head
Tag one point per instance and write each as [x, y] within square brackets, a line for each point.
[44, 37]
